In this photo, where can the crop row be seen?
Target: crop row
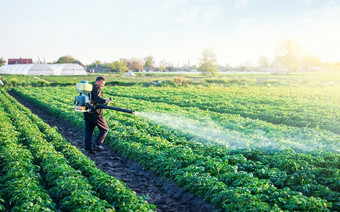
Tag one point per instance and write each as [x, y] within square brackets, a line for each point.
[291, 165]
[263, 134]
[108, 188]
[287, 168]
[297, 176]
[181, 163]
[275, 109]
[247, 132]
[67, 186]
[20, 181]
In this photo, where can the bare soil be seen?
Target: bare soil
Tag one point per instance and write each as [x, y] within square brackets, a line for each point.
[164, 193]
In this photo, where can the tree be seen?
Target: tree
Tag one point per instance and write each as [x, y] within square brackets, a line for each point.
[66, 59]
[94, 64]
[310, 62]
[288, 53]
[109, 66]
[2, 61]
[136, 64]
[149, 61]
[263, 63]
[124, 61]
[208, 61]
[227, 67]
[162, 65]
[120, 67]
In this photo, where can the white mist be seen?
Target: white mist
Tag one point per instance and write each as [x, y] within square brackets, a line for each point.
[208, 131]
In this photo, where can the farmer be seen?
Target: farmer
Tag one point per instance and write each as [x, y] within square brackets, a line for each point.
[95, 118]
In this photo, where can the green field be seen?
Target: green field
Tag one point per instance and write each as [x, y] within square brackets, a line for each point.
[173, 79]
[242, 142]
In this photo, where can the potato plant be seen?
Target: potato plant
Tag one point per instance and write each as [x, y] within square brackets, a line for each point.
[233, 179]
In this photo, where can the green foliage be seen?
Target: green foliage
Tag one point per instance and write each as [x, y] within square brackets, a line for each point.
[208, 69]
[69, 185]
[288, 55]
[94, 64]
[208, 65]
[20, 179]
[232, 179]
[217, 81]
[23, 80]
[149, 61]
[181, 81]
[2, 61]
[298, 107]
[117, 66]
[66, 59]
[120, 67]
[13, 81]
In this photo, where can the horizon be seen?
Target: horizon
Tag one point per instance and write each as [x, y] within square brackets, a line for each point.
[239, 32]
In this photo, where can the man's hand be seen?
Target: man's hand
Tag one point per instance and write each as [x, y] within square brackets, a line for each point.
[108, 101]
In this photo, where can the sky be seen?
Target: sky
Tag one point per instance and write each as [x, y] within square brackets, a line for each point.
[239, 32]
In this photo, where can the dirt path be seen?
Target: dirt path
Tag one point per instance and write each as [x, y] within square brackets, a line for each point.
[164, 193]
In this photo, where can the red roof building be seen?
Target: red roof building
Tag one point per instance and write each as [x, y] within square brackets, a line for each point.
[19, 61]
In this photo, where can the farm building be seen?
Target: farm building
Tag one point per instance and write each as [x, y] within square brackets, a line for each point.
[43, 69]
[20, 61]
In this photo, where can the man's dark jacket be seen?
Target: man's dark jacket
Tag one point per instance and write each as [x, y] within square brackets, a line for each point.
[96, 99]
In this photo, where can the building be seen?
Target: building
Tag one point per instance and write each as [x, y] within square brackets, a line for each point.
[20, 61]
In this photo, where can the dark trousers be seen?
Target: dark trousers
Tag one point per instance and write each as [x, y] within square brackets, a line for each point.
[90, 123]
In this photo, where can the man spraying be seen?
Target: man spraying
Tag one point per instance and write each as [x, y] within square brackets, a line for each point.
[95, 118]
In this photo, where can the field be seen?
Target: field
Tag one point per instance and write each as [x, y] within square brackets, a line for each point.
[267, 143]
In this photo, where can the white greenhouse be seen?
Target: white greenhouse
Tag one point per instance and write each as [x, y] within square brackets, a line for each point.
[43, 69]
[68, 69]
[27, 69]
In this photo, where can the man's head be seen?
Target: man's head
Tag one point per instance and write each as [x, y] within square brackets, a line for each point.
[100, 82]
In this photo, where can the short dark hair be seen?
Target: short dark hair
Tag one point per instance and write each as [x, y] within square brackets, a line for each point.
[100, 78]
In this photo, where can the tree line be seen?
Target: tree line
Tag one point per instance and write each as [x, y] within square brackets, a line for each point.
[289, 58]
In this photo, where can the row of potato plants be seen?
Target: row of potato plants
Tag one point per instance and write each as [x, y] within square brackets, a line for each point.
[174, 159]
[250, 128]
[301, 176]
[19, 177]
[247, 130]
[67, 186]
[299, 112]
[290, 161]
[263, 164]
[231, 170]
[298, 171]
[326, 160]
[108, 187]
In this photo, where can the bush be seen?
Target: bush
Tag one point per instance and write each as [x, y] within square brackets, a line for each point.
[13, 82]
[217, 81]
[181, 81]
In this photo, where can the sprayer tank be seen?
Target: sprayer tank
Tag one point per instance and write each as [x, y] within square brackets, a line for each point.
[83, 87]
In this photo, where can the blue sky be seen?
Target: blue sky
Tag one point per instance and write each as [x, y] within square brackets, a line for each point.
[238, 31]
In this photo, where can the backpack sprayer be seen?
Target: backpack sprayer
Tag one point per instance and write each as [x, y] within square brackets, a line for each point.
[82, 101]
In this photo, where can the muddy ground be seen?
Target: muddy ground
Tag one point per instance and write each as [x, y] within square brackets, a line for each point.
[164, 193]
